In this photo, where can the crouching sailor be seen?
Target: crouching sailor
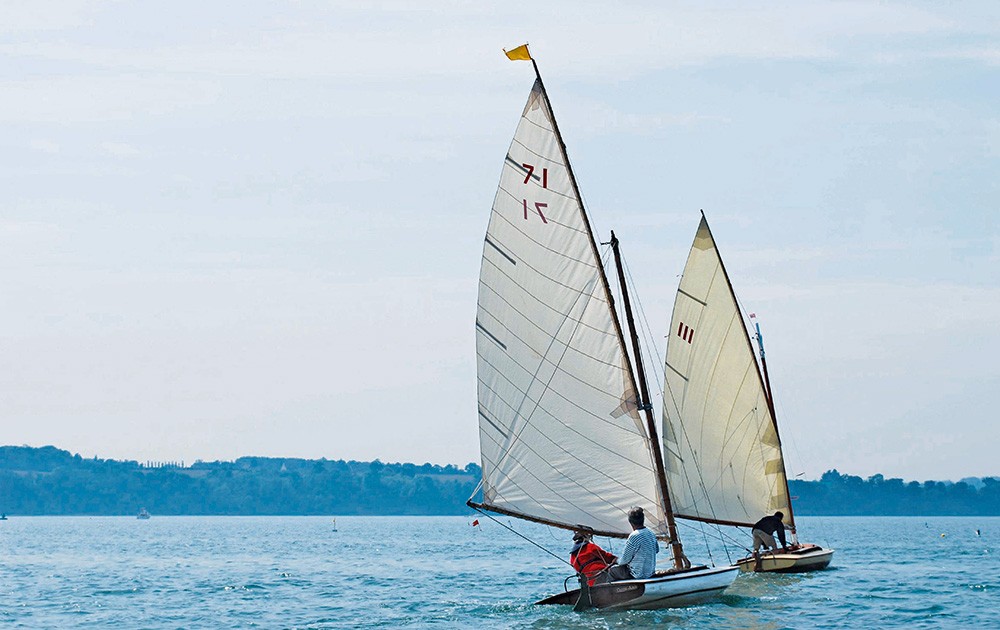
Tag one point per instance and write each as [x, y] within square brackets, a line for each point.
[763, 531]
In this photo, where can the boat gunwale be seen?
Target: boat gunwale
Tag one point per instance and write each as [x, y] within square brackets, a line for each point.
[686, 574]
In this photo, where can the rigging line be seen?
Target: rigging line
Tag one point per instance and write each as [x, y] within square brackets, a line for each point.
[651, 357]
[512, 440]
[697, 463]
[722, 537]
[661, 361]
[652, 349]
[500, 296]
[690, 448]
[635, 300]
[593, 417]
[786, 437]
[605, 261]
[526, 418]
[720, 534]
[551, 489]
[514, 531]
[514, 199]
[566, 500]
[479, 486]
[707, 547]
[539, 272]
[687, 478]
[655, 359]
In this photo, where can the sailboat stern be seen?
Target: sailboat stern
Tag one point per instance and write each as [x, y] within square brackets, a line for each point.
[800, 559]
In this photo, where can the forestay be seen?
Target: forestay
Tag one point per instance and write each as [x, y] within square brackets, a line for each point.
[562, 440]
[722, 452]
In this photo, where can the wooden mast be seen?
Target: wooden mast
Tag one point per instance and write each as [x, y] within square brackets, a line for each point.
[675, 542]
[647, 407]
[774, 420]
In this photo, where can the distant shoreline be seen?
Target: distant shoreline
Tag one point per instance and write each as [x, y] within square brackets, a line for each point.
[47, 481]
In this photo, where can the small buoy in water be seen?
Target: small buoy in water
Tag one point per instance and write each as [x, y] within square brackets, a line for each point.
[943, 535]
[977, 532]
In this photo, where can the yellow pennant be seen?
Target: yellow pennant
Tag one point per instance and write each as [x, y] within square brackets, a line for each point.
[518, 54]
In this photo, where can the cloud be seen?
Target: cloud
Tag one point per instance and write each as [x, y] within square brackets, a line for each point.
[263, 227]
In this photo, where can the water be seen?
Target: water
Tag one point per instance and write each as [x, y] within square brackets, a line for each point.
[295, 572]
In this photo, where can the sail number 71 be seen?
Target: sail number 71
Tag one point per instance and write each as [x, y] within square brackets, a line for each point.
[529, 170]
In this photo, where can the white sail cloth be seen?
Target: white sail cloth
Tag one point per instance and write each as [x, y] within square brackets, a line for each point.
[562, 441]
[722, 452]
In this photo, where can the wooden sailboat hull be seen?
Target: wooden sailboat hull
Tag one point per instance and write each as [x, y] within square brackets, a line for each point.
[668, 590]
[799, 560]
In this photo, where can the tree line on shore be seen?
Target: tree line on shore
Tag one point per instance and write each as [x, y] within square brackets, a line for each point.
[50, 481]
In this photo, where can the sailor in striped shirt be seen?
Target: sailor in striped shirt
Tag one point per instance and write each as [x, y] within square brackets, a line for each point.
[638, 561]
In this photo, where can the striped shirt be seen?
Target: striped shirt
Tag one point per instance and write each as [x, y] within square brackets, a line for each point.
[640, 553]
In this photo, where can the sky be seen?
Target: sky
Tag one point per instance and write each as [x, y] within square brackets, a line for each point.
[255, 228]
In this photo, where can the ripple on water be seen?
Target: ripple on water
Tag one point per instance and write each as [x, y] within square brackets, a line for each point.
[438, 572]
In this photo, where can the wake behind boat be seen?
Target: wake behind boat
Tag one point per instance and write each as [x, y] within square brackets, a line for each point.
[567, 433]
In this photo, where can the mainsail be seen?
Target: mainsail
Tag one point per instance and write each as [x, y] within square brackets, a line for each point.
[562, 439]
[721, 446]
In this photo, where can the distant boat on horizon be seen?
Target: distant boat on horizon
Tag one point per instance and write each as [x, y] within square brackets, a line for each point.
[143, 514]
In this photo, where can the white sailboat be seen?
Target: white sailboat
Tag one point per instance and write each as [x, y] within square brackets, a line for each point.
[721, 444]
[567, 433]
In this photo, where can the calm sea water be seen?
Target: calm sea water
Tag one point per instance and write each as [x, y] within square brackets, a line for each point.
[296, 572]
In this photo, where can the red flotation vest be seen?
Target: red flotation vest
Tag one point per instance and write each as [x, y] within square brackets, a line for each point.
[590, 560]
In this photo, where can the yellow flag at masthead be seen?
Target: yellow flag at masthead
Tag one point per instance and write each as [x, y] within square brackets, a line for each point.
[518, 54]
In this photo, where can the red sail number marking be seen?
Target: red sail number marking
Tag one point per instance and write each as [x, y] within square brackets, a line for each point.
[529, 170]
[538, 207]
[686, 333]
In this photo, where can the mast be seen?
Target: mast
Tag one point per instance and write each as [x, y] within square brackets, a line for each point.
[675, 542]
[527, 475]
[762, 377]
[647, 407]
[774, 419]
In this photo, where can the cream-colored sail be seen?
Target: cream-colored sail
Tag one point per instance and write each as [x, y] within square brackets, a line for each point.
[562, 441]
[721, 449]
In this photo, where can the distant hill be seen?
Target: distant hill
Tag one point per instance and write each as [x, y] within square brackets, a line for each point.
[47, 480]
[847, 495]
[52, 481]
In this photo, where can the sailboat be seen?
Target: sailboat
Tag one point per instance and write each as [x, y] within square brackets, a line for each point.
[566, 428]
[721, 444]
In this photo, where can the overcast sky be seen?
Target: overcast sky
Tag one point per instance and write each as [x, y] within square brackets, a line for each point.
[255, 228]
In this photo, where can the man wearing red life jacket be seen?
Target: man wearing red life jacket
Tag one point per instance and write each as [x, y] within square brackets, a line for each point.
[589, 559]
